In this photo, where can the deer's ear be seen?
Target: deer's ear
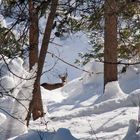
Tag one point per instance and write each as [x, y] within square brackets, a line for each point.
[59, 76]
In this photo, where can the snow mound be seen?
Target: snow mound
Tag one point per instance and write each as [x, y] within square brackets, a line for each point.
[94, 67]
[112, 90]
[2, 21]
[16, 67]
[61, 134]
[2, 117]
[7, 83]
[131, 133]
[13, 87]
[95, 78]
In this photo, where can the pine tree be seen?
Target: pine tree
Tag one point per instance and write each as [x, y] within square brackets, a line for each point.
[111, 44]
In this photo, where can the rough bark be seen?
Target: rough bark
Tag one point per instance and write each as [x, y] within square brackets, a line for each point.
[33, 50]
[36, 103]
[33, 35]
[111, 44]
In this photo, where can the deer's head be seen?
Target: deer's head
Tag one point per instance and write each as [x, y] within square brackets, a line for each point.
[63, 77]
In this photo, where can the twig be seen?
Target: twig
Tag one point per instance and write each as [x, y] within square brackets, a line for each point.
[69, 63]
[92, 130]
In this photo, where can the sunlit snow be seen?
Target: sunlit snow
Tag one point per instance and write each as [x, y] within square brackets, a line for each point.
[77, 111]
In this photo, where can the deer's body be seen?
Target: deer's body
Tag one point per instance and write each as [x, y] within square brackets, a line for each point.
[50, 86]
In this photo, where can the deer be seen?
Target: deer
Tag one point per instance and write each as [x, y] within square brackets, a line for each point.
[53, 86]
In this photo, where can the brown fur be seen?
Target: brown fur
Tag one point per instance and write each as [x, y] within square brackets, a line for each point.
[50, 86]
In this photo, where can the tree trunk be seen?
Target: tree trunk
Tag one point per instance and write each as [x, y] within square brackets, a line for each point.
[33, 35]
[33, 52]
[36, 103]
[111, 44]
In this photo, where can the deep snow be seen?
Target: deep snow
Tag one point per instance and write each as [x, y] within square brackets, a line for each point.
[79, 110]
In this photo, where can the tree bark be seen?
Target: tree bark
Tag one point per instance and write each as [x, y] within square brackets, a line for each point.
[111, 44]
[36, 104]
[33, 50]
[33, 35]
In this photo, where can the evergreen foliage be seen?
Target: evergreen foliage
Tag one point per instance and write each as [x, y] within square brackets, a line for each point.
[9, 45]
[128, 30]
[88, 16]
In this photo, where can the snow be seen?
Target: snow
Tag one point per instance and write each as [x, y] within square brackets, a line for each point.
[112, 90]
[2, 21]
[61, 134]
[15, 123]
[131, 133]
[77, 111]
[67, 49]
[84, 104]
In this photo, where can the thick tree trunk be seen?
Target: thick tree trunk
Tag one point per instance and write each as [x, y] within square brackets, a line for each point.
[36, 106]
[111, 44]
[33, 52]
[33, 35]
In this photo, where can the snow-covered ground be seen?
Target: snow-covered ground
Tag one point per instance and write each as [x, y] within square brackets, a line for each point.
[79, 110]
[81, 107]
